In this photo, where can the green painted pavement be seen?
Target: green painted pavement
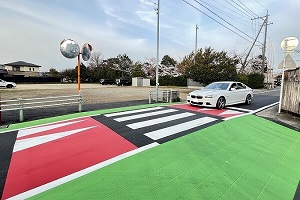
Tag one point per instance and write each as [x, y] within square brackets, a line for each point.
[243, 158]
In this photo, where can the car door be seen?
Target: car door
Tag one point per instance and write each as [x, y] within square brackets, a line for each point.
[232, 94]
[242, 92]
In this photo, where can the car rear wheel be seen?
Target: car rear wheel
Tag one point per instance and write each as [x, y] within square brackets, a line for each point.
[221, 103]
[9, 86]
[248, 99]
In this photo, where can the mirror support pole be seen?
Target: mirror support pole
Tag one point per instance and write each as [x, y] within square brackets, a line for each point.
[78, 72]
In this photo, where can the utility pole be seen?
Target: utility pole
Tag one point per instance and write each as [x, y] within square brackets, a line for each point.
[157, 53]
[244, 63]
[264, 47]
[196, 43]
[265, 23]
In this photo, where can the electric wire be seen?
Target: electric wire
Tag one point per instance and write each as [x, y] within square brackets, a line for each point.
[223, 19]
[231, 10]
[241, 11]
[218, 21]
[245, 8]
[229, 15]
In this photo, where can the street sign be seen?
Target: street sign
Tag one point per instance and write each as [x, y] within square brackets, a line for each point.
[289, 63]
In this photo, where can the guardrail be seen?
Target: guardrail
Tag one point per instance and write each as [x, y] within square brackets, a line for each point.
[167, 96]
[22, 104]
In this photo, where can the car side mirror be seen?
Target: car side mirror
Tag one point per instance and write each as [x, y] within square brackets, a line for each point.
[233, 89]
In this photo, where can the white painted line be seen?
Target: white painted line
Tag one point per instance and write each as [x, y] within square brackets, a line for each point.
[265, 107]
[30, 131]
[236, 116]
[231, 112]
[240, 109]
[161, 133]
[121, 119]
[159, 120]
[34, 141]
[207, 109]
[78, 174]
[132, 111]
[252, 112]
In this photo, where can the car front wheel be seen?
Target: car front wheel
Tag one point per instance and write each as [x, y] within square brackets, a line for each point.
[248, 99]
[9, 86]
[221, 103]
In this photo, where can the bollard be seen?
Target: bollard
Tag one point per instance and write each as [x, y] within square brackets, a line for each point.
[21, 114]
[80, 104]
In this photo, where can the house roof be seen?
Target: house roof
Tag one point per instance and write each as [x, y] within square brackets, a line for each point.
[22, 63]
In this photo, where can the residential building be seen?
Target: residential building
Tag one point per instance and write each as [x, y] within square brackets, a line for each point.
[22, 69]
[3, 71]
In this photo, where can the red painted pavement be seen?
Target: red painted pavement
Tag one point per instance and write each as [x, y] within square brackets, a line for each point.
[210, 111]
[41, 164]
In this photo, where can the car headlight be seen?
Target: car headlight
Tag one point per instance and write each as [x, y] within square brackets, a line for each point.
[210, 96]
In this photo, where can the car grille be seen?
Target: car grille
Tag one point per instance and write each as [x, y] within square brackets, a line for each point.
[196, 97]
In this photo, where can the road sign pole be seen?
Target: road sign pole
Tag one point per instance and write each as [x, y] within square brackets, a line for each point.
[282, 77]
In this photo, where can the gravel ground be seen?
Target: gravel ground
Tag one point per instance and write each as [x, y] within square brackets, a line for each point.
[91, 93]
[96, 96]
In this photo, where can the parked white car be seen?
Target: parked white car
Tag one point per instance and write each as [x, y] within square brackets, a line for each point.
[221, 94]
[4, 84]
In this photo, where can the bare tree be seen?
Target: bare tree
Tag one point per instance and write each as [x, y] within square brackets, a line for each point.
[96, 60]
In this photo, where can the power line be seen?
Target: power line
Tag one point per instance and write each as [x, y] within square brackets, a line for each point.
[219, 22]
[246, 14]
[231, 10]
[223, 19]
[260, 4]
[245, 8]
[229, 15]
[152, 2]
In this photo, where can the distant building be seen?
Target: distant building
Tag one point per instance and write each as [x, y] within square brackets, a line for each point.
[3, 71]
[22, 69]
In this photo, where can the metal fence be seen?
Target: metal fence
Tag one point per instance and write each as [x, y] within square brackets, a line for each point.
[167, 96]
[22, 104]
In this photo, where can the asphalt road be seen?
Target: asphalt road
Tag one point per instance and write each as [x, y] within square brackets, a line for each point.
[260, 100]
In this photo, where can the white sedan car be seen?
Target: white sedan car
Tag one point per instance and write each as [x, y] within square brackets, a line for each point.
[221, 94]
[5, 84]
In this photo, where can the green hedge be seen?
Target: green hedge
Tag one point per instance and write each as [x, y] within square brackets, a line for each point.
[253, 80]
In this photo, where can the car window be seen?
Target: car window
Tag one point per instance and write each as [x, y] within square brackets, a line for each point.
[240, 86]
[217, 86]
[234, 86]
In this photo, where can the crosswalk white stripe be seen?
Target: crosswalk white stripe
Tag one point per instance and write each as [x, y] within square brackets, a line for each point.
[121, 119]
[159, 120]
[161, 133]
[132, 111]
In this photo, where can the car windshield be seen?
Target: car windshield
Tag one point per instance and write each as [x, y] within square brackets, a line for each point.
[217, 86]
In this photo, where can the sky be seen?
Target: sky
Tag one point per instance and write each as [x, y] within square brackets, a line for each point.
[31, 30]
